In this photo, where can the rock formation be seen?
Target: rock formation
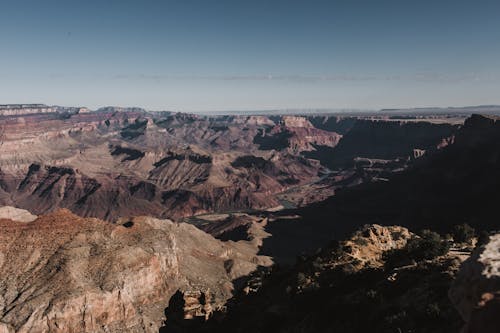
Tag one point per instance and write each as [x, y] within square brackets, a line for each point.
[476, 290]
[63, 273]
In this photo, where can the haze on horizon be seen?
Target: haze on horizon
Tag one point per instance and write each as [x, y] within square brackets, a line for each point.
[250, 55]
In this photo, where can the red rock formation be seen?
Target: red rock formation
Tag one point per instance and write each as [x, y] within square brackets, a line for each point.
[119, 162]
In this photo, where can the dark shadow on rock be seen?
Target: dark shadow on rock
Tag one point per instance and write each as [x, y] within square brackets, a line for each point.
[175, 315]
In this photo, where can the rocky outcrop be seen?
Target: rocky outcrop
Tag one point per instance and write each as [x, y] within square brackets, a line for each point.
[296, 121]
[476, 289]
[366, 246]
[304, 135]
[188, 305]
[62, 273]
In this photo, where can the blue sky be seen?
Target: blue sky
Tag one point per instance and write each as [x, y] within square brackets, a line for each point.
[240, 55]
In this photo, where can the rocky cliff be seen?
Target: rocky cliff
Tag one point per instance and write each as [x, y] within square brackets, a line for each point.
[63, 273]
[476, 290]
[384, 140]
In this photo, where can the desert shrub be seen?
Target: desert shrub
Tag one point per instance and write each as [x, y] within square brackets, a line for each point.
[396, 257]
[463, 233]
[483, 238]
[371, 294]
[301, 279]
[428, 246]
[398, 317]
[433, 310]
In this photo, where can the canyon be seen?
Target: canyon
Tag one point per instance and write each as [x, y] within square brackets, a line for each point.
[118, 162]
[127, 220]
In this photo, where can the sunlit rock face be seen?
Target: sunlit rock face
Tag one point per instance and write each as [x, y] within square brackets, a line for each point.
[63, 273]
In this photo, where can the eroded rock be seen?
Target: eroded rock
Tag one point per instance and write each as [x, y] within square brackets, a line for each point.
[62, 273]
[476, 289]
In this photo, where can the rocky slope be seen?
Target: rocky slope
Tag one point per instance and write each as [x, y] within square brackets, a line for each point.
[329, 291]
[63, 273]
[384, 140]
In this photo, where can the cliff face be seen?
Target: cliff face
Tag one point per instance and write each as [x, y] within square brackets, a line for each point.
[296, 134]
[385, 140]
[340, 125]
[476, 290]
[62, 273]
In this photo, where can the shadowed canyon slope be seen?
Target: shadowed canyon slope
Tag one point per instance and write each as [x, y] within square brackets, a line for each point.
[453, 185]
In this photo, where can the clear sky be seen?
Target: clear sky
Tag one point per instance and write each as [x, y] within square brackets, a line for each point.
[256, 54]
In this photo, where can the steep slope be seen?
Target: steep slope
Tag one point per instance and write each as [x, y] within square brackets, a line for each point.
[383, 140]
[345, 287]
[63, 273]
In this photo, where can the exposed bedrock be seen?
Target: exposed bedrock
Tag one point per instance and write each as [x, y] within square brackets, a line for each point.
[476, 289]
[63, 273]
